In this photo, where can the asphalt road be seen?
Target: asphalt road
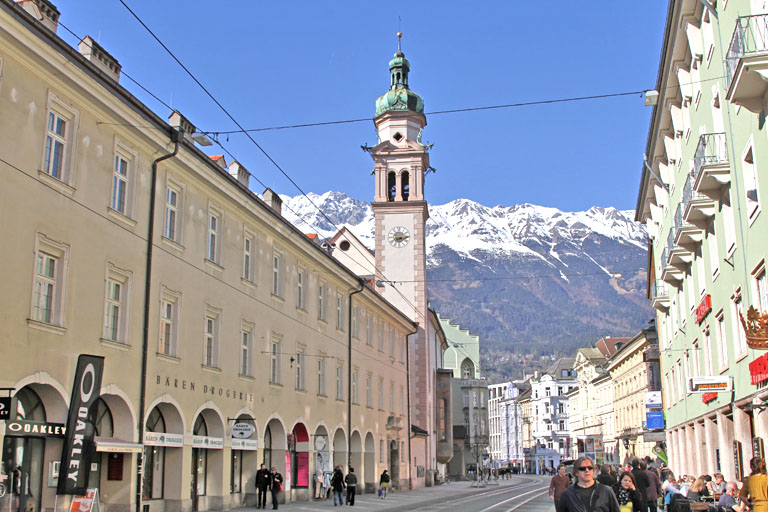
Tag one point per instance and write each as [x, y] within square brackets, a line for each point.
[527, 493]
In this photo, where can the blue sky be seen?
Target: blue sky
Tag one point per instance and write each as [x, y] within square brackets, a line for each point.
[287, 62]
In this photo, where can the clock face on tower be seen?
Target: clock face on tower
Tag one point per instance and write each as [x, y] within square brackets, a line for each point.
[399, 236]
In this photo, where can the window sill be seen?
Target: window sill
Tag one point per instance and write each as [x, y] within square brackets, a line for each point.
[278, 298]
[249, 378]
[741, 356]
[211, 369]
[53, 329]
[301, 390]
[715, 274]
[301, 310]
[248, 283]
[723, 369]
[275, 385]
[322, 395]
[167, 358]
[121, 218]
[322, 320]
[754, 216]
[173, 244]
[213, 265]
[115, 344]
[64, 188]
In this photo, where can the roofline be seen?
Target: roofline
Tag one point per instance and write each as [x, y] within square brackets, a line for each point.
[58, 44]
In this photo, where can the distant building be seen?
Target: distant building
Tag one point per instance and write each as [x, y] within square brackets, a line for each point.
[496, 392]
[511, 419]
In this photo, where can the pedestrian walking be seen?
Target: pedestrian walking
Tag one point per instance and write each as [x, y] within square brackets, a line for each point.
[276, 485]
[586, 493]
[626, 493]
[263, 479]
[383, 484]
[755, 486]
[351, 481]
[558, 484]
[319, 485]
[654, 489]
[642, 483]
[605, 477]
[337, 486]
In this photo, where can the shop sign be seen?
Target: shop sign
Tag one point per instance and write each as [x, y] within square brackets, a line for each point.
[35, 429]
[215, 443]
[243, 430]
[654, 420]
[708, 397]
[703, 309]
[245, 444]
[77, 453]
[758, 369]
[84, 503]
[709, 384]
[5, 408]
[737, 460]
[163, 439]
[758, 448]
[653, 399]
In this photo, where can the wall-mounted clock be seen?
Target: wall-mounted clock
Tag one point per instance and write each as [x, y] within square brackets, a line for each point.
[399, 237]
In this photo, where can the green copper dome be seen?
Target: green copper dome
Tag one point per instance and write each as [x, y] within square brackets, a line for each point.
[399, 96]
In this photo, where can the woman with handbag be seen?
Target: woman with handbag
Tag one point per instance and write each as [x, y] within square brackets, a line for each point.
[276, 486]
[383, 485]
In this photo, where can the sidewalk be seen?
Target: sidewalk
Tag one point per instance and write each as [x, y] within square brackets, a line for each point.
[401, 500]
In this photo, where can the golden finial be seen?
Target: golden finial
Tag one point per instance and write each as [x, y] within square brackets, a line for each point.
[399, 36]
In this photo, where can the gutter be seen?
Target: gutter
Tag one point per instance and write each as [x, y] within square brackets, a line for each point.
[175, 138]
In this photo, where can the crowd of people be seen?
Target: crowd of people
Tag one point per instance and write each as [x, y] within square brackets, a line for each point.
[640, 488]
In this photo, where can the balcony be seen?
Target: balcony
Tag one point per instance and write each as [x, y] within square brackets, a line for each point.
[659, 295]
[747, 62]
[687, 236]
[711, 167]
[698, 208]
[677, 256]
[670, 274]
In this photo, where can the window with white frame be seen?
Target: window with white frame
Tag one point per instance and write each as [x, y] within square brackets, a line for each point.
[170, 303]
[737, 310]
[339, 381]
[708, 366]
[750, 183]
[277, 272]
[249, 256]
[213, 252]
[726, 206]
[369, 390]
[301, 288]
[355, 382]
[701, 275]
[51, 261]
[246, 349]
[355, 322]
[761, 287]
[391, 397]
[722, 340]
[322, 293]
[321, 374]
[60, 137]
[714, 256]
[340, 311]
[696, 359]
[173, 212]
[402, 400]
[392, 340]
[275, 359]
[300, 368]
[211, 337]
[116, 302]
[382, 329]
[382, 448]
[680, 379]
[123, 171]
[381, 393]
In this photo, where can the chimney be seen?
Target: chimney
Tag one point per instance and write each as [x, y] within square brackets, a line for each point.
[99, 57]
[219, 159]
[273, 200]
[43, 11]
[182, 124]
[240, 173]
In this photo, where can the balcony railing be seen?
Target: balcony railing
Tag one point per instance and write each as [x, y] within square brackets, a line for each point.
[689, 193]
[749, 37]
[711, 150]
[658, 289]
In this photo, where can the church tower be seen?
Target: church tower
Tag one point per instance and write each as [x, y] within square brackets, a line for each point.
[400, 212]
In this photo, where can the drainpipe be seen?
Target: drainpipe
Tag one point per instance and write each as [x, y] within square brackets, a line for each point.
[175, 138]
[408, 399]
[349, 372]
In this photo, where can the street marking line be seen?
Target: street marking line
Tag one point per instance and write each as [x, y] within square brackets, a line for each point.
[526, 501]
[539, 490]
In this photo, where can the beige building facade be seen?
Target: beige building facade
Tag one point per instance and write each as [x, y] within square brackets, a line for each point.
[226, 315]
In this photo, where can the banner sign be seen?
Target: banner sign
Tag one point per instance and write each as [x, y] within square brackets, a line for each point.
[703, 309]
[216, 443]
[660, 453]
[5, 408]
[78, 450]
[245, 444]
[23, 428]
[654, 420]
[163, 439]
[653, 399]
[709, 384]
[758, 370]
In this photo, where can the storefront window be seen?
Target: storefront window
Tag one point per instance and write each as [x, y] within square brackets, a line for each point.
[236, 473]
[199, 460]
[268, 447]
[103, 428]
[154, 460]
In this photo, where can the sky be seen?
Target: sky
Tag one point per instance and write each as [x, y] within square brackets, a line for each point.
[287, 62]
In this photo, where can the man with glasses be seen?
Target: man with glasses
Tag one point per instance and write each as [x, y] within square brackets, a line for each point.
[587, 495]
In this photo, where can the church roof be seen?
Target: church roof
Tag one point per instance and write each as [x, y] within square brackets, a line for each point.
[399, 96]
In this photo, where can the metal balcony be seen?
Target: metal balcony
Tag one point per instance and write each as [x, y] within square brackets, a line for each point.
[669, 273]
[687, 236]
[677, 256]
[711, 167]
[698, 208]
[747, 62]
[659, 295]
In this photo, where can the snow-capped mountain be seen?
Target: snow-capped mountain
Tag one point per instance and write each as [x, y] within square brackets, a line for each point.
[521, 273]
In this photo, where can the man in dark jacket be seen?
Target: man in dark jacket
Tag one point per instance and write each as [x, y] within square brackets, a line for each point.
[605, 477]
[351, 481]
[263, 479]
[586, 494]
[654, 489]
[642, 483]
[276, 486]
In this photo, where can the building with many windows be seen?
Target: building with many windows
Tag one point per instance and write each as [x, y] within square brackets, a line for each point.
[701, 193]
[229, 337]
[496, 393]
[549, 414]
[511, 419]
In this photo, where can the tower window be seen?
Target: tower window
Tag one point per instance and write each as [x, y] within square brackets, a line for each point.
[397, 136]
[391, 186]
[406, 187]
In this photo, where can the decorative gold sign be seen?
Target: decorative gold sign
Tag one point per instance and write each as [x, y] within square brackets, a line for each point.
[756, 328]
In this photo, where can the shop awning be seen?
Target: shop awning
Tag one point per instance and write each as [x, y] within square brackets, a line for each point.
[113, 445]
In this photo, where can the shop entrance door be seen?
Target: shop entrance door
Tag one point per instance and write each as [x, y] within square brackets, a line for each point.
[193, 483]
[23, 465]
